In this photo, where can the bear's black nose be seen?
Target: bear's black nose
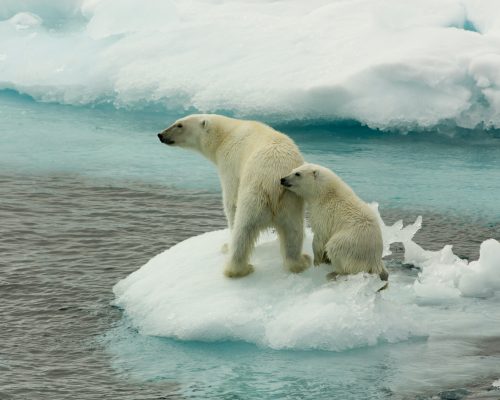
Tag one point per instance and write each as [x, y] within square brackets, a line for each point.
[160, 137]
[282, 180]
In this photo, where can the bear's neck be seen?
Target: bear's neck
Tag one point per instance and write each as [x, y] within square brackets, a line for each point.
[328, 194]
[215, 145]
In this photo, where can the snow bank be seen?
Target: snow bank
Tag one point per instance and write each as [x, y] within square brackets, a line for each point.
[389, 64]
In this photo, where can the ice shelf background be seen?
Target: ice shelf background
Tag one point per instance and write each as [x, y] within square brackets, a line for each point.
[388, 64]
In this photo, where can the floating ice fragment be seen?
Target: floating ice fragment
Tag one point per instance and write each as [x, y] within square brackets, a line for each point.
[25, 20]
[444, 275]
[482, 277]
[182, 293]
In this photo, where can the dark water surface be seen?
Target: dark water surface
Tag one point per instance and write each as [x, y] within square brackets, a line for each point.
[64, 243]
[66, 240]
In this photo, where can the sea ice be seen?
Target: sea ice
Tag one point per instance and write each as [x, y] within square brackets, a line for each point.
[25, 21]
[446, 275]
[182, 293]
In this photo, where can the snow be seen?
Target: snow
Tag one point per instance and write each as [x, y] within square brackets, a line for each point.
[388, 64]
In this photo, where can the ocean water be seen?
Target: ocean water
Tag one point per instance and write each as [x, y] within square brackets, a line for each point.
[88, 196]
[429, 171]
[110, 270]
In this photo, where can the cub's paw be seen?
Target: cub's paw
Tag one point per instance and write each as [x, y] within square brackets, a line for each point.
[321, 259]
[233, 271]
[332, 276]
[297, 266]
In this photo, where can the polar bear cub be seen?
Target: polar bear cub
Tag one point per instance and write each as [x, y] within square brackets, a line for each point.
[251, 157]
[346, 231]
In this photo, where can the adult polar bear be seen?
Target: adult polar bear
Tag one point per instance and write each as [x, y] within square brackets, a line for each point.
[251, 157]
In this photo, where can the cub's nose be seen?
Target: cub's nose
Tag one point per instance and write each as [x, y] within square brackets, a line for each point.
[282, 181]
[160, 137]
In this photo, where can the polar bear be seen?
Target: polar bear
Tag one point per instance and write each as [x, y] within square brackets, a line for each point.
[251, 157]
[346, 231]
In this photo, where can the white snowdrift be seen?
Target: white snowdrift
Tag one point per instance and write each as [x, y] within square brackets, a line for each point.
[389, 63]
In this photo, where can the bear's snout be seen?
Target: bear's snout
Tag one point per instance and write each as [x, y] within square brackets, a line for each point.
[164, 139]
[284, 182]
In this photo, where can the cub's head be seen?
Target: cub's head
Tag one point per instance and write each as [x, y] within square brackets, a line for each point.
[189, 132]
[303, 180]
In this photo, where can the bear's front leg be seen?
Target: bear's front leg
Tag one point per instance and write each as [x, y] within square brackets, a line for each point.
[319, 251]
[229, 197]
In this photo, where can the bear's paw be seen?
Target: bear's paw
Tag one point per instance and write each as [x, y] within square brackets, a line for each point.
[234, 271]
[300, 265]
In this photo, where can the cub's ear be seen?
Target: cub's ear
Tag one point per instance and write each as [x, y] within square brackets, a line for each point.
[315, 173]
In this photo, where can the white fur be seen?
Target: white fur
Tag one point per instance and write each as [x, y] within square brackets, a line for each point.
[251, 157]
[346, 230]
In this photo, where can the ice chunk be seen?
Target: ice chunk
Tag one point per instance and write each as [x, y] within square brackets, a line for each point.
[482, 277]
[444, 275]
[396, 232]
[25, 20]
[182, 293]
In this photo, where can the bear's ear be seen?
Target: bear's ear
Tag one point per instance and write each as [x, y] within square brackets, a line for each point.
[204, 123]
[315, 173]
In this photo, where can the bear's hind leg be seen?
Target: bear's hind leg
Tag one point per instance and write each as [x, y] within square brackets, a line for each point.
[319, 252]
[251, 217]
[338, 267]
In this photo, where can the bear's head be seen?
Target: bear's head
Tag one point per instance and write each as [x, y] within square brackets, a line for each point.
[303, 180]
[189, 132]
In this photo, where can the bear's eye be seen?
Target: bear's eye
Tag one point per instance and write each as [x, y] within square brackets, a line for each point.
[297, 174]
[179, 125]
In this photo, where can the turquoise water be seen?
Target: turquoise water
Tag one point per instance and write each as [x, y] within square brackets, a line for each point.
[238, 370]
[230, 370]
[422, 171]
